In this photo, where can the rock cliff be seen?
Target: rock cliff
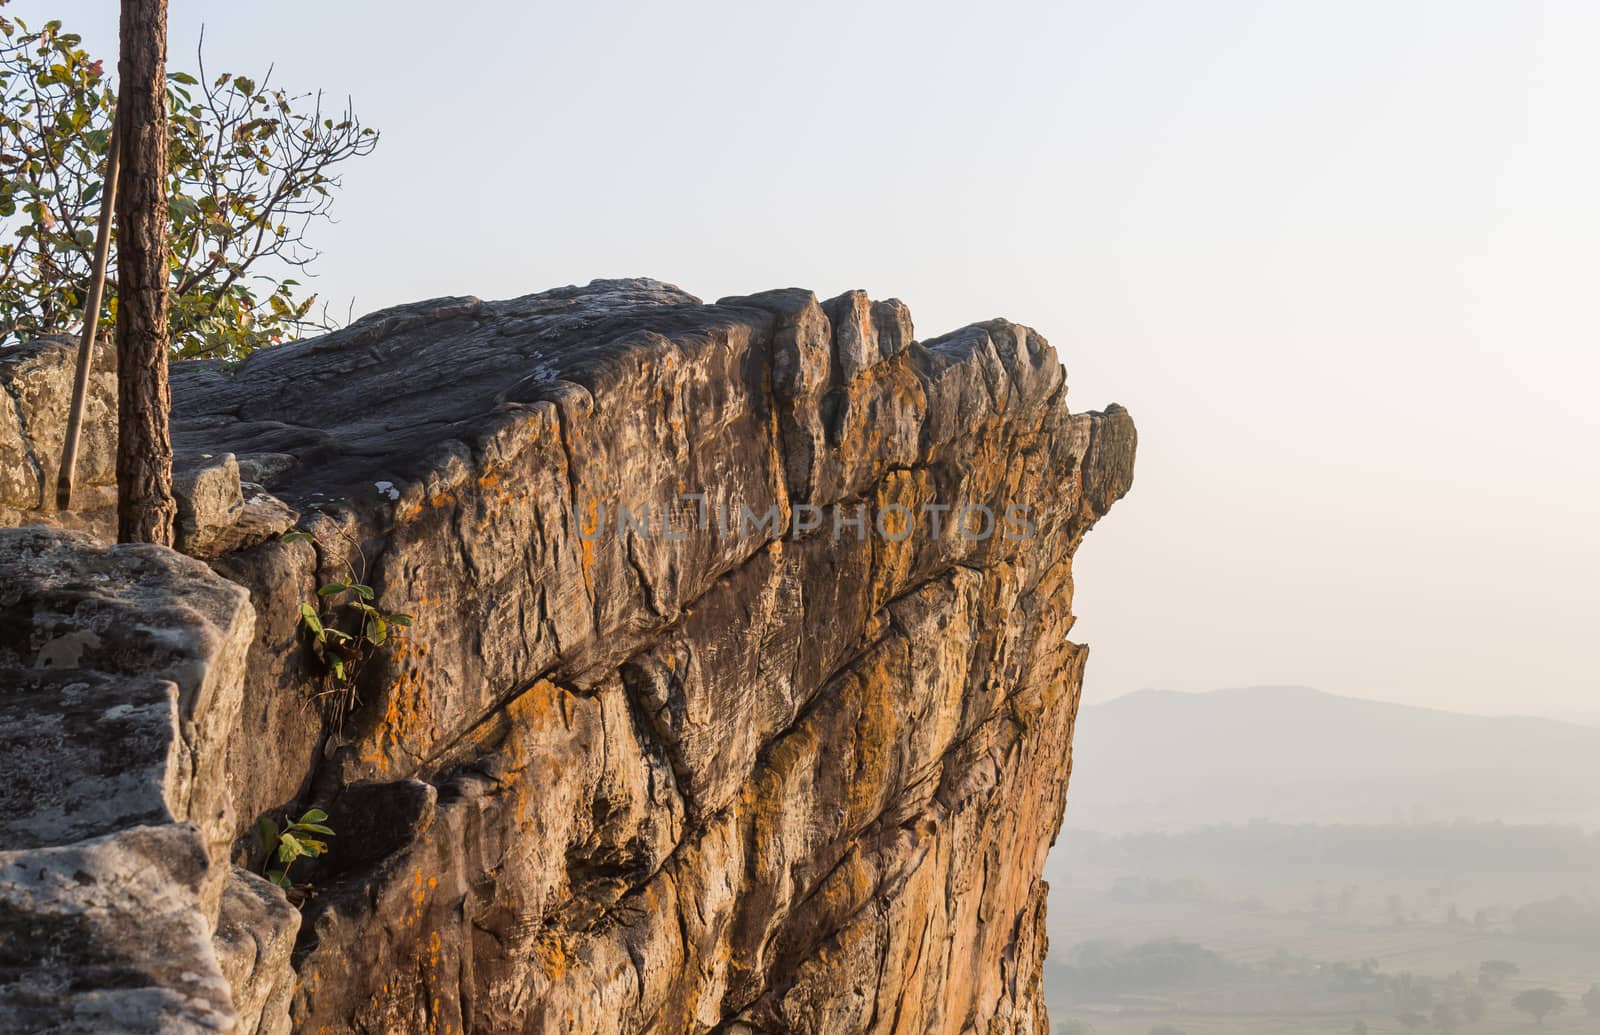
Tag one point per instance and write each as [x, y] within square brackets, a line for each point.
[738, 696]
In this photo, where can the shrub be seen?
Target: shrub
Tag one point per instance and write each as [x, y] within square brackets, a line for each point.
[252, 168]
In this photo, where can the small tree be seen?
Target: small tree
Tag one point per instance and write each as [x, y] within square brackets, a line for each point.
[1445, 1019]
[1591, 1001]
[1539, 1003]
[145, 506]
[1359, 1027]
[1413, 1021]
[1473, 1007]
[247, 175]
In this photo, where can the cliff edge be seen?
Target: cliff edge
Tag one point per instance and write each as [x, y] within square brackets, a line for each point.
[737, 695]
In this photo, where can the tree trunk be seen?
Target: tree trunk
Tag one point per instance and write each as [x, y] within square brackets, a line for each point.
[145, 508]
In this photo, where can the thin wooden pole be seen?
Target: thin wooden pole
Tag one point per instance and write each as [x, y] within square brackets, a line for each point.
[91, 323]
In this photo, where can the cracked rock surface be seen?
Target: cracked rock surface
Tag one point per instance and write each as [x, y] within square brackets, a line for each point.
[692, 772]
[739, 697]
[121, 670]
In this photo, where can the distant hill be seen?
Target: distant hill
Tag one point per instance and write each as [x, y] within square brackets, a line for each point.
[1161, 760]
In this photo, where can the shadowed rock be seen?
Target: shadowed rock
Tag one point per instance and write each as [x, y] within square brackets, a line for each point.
[121, 671]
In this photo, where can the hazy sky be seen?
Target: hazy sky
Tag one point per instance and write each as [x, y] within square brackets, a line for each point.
[1339, 258]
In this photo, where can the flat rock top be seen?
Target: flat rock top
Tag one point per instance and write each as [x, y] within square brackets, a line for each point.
[368, 401]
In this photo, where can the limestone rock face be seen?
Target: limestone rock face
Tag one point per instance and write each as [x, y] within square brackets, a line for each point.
[218, 511]
[738, 698]
[144, 651]
[35, 395]
[254, 942]
[715, 715]
[121, 674]
[109, 935]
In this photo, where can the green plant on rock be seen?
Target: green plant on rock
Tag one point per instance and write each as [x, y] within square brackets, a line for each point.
[301, 839]
[346, 627]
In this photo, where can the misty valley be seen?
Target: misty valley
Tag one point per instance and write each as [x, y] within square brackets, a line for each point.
[1335, 920]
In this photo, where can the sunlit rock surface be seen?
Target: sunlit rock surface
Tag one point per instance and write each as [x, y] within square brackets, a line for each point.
[785, 756]
[35, 395]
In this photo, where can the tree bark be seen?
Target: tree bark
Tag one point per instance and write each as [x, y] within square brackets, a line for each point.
[145, 507]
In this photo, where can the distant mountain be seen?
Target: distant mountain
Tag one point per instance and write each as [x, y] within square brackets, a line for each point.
[1161, 760]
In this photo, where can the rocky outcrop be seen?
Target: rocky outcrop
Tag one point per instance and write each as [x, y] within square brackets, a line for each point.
[121, 673]
[254, 942]
[35, 394]
[219, 507]
[738, 696]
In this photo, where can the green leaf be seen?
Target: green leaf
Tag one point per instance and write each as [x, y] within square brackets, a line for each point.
[297, 536]
[308, 615]
[331, 588]
[400, 618]
[315, 828]
[183, 77]
[267, 830]
[280, 878]
[338, 669]
[313, 816]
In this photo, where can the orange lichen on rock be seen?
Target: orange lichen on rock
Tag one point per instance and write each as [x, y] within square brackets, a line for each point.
[733, 779]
